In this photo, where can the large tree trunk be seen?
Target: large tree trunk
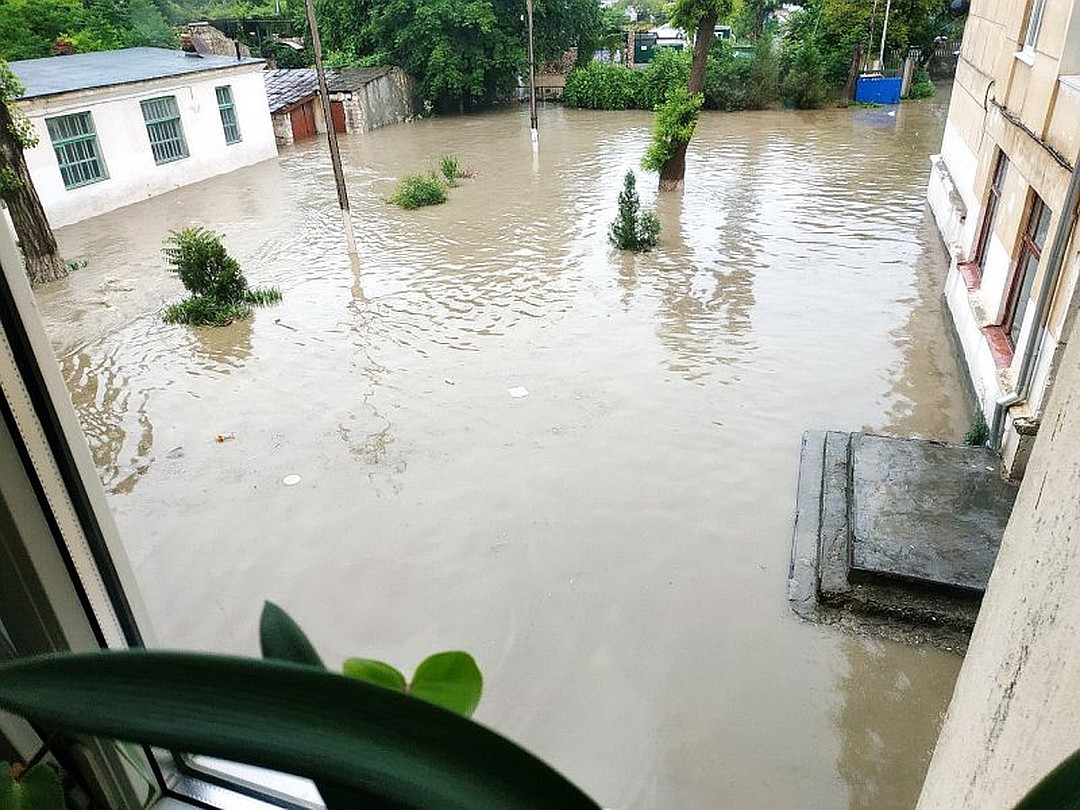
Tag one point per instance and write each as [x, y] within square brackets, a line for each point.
[674, 170]
[43, 263]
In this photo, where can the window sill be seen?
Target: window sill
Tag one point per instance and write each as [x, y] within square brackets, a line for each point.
[1070, 83]
[972, 275]
[1026, 56]
[1001, 347]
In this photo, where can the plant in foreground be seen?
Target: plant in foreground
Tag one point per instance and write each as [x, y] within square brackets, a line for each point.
[978, 434]
[417, 190]
[219, 292]
[633, 229]
[364, 745]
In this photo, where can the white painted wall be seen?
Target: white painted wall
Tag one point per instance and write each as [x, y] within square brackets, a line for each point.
[123, 140]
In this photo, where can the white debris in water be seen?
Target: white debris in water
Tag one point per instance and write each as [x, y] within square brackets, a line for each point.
[448, 381]
[291, 480]
[517, 392]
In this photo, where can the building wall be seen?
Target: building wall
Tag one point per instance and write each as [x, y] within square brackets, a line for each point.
[1007, 99]
[389, 99]
[1015, 710]
[124, 143]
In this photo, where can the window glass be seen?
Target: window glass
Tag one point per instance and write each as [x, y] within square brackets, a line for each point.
[76, 147]
[228, 114]
[1034, 23]
[165, 129]
[1027, 263]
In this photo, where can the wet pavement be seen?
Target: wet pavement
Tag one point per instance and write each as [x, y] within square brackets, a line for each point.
[613, 547]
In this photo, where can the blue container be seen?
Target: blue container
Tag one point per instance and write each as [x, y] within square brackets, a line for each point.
[878, 90]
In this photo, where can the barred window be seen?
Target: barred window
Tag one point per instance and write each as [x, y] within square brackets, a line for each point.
[75, 143]
[228, 114]
[164, 128]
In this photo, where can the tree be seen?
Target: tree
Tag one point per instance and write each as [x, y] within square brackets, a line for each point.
[699, 16]
[43, 262]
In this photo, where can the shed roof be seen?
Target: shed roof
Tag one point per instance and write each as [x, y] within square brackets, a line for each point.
[81, 71]
[348, 79]
[286, 87]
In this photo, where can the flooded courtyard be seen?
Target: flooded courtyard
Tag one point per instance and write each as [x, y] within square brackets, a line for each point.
[612, 547]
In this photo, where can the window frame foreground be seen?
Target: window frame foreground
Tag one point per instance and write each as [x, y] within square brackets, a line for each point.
[65, 583]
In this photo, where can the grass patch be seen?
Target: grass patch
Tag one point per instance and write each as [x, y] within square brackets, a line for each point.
[450, 169]
[418, 190]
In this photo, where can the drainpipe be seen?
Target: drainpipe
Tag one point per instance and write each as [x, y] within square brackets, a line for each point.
[1054, 263]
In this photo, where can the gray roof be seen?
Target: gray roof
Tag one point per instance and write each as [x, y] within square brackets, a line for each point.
[285, 87]
[81, 71]
[348, 79]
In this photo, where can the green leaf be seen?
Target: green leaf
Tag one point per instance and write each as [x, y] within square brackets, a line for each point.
[370, 744]
[376, 672]
[449, 679]
[37, 789]
[1058, 790]
[281, 638]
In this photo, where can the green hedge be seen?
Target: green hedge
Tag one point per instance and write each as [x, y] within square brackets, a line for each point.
[731, 82]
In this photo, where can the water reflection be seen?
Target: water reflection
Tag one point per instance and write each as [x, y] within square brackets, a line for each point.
[885, 700]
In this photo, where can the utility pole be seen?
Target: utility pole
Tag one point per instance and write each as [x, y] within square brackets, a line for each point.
[884, 30]
[534, 124]
[331, 136]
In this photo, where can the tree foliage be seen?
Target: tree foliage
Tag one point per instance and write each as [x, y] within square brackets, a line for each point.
[463, 54]
[29, 28]
[673, 128]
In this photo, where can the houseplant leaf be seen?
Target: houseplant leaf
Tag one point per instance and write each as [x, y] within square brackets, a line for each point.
[376, 672]
[371, 744]
[449, 679]
[38, 788]
[282, 639]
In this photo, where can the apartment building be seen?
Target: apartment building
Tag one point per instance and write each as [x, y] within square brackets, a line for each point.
[1004, 194]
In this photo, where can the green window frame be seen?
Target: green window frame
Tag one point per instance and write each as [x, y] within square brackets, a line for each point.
[165, 129]
[77, 152]
[227, 109]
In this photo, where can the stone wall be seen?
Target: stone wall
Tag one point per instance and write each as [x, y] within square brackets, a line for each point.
[387, 99]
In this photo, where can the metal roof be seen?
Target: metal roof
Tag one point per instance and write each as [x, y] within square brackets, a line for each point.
[82, 71]
[286, 87]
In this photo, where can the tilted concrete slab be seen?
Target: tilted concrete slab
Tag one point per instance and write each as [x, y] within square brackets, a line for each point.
[926, 512]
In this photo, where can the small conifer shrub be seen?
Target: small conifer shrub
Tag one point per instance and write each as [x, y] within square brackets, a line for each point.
[219, 292]
[633, 229]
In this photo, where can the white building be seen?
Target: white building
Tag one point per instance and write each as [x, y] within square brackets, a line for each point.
[116, 127]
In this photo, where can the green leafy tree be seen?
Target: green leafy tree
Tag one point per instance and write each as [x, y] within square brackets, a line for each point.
[40, 253]
[700, 17]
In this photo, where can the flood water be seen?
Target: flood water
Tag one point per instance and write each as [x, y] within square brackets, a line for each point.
[613, 547]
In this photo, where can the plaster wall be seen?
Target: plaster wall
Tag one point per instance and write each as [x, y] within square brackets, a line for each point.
[1015, 708]
[125, 146]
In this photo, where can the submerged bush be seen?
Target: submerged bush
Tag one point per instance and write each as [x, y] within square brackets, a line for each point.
[450, 169]
[921, 86]
[741, 82]
[804, 86]
[219, 292]
[603, 86]
[417, 190]
[633, 229]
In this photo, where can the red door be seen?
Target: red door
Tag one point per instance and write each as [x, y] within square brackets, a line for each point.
[337, 113]
[303, 121]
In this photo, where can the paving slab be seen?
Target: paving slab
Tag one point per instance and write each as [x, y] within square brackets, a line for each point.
[926, 512]
[803, 570]
[835, 539]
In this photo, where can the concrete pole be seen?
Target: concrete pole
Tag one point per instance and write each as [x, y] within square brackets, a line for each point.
[884, 31]
[331, 136]
[534, 127]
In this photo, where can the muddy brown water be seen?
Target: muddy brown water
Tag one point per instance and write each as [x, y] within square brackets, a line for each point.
[613, 547]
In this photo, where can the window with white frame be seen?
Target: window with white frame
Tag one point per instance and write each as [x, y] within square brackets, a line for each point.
[1035, 15]
[165, 129]
[77, 153]
[228, 114]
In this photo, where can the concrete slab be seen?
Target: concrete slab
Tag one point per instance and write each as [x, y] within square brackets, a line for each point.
[802, 573]
[834, 552]
[926, 512]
